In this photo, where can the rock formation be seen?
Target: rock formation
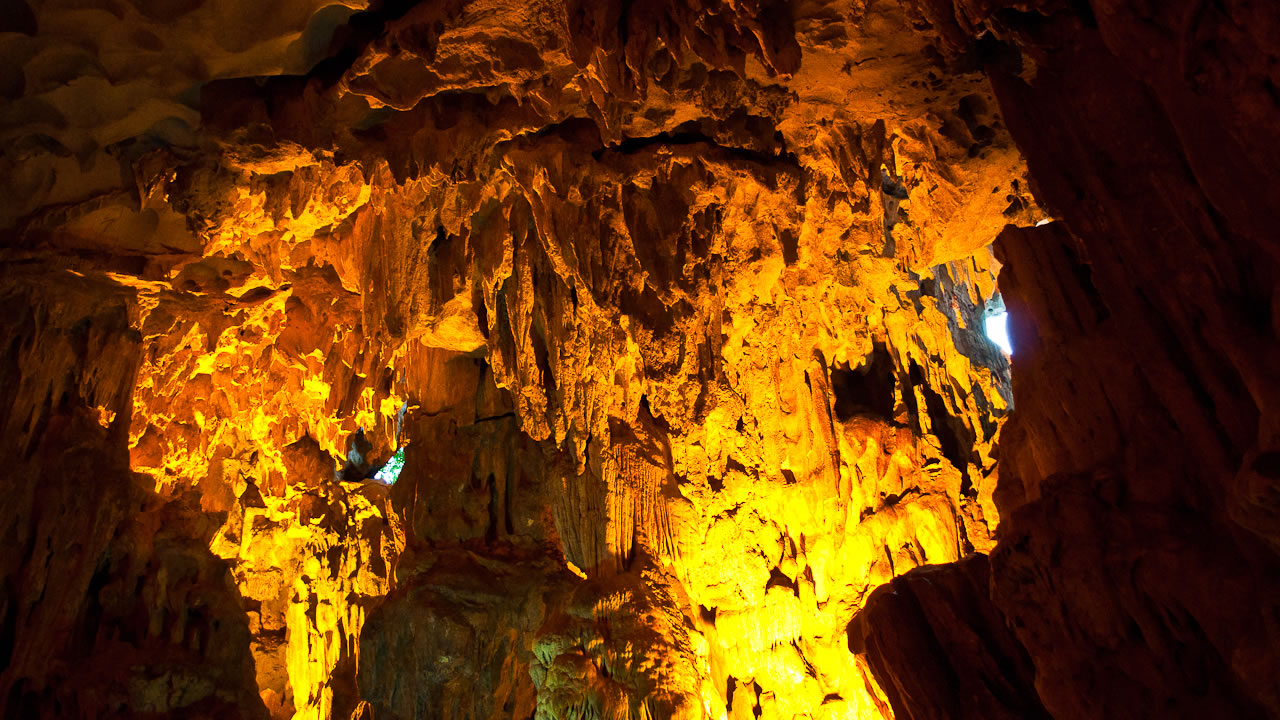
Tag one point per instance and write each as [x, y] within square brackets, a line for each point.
[672, 313]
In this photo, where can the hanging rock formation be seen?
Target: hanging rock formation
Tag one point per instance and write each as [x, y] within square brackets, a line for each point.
[1136, 559]
[674, 313]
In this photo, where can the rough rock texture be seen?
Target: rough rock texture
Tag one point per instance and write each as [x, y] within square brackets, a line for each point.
[114, 605]
[941, 649]
[675, 312]
[1137, 555]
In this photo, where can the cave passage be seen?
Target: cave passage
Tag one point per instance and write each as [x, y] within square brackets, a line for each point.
[692, 318]
[390, 472]
[997, 329]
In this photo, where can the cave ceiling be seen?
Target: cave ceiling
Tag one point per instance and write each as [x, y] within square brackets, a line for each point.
[674, 311]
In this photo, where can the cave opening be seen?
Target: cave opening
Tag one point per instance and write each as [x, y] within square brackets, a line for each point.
[724, 327]
[390, 472]
[995, 323]
[996, 326]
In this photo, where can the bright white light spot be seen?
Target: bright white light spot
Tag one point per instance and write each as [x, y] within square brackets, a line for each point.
[391, 470]
[998, 331]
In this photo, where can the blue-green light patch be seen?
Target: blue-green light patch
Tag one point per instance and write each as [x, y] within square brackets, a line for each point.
[391, 471]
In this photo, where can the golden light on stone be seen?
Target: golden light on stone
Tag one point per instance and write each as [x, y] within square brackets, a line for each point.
[590, 360]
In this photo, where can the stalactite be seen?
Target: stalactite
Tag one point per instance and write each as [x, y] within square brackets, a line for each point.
[674, 312]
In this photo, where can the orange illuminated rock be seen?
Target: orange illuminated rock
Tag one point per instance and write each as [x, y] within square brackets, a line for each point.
[676, 312]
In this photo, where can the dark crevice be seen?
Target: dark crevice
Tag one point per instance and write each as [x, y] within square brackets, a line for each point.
[507, 496]
[8, 633]
[353, 38]
[541, 358]
[491, 532]
[17, 17]
[891, 499]
[707, 614]
[868, 390]
[790, 245]
[506, 337]
[955, 439]
[778, 579]
[688, 135]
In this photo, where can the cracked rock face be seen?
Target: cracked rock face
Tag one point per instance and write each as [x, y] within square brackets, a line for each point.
[674, 312]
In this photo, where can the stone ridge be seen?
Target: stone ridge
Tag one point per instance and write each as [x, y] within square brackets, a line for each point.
[676, 308]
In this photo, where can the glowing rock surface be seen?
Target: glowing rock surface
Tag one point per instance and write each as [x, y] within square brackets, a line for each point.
[561, 359]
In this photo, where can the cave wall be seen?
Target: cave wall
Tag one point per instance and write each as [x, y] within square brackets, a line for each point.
[1136, 556]
[1175, 472]
[114, 604]
[676, 311]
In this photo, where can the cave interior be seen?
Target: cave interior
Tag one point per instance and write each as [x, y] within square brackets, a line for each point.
[640, 359]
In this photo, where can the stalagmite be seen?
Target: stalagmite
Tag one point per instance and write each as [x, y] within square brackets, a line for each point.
[489, 359]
